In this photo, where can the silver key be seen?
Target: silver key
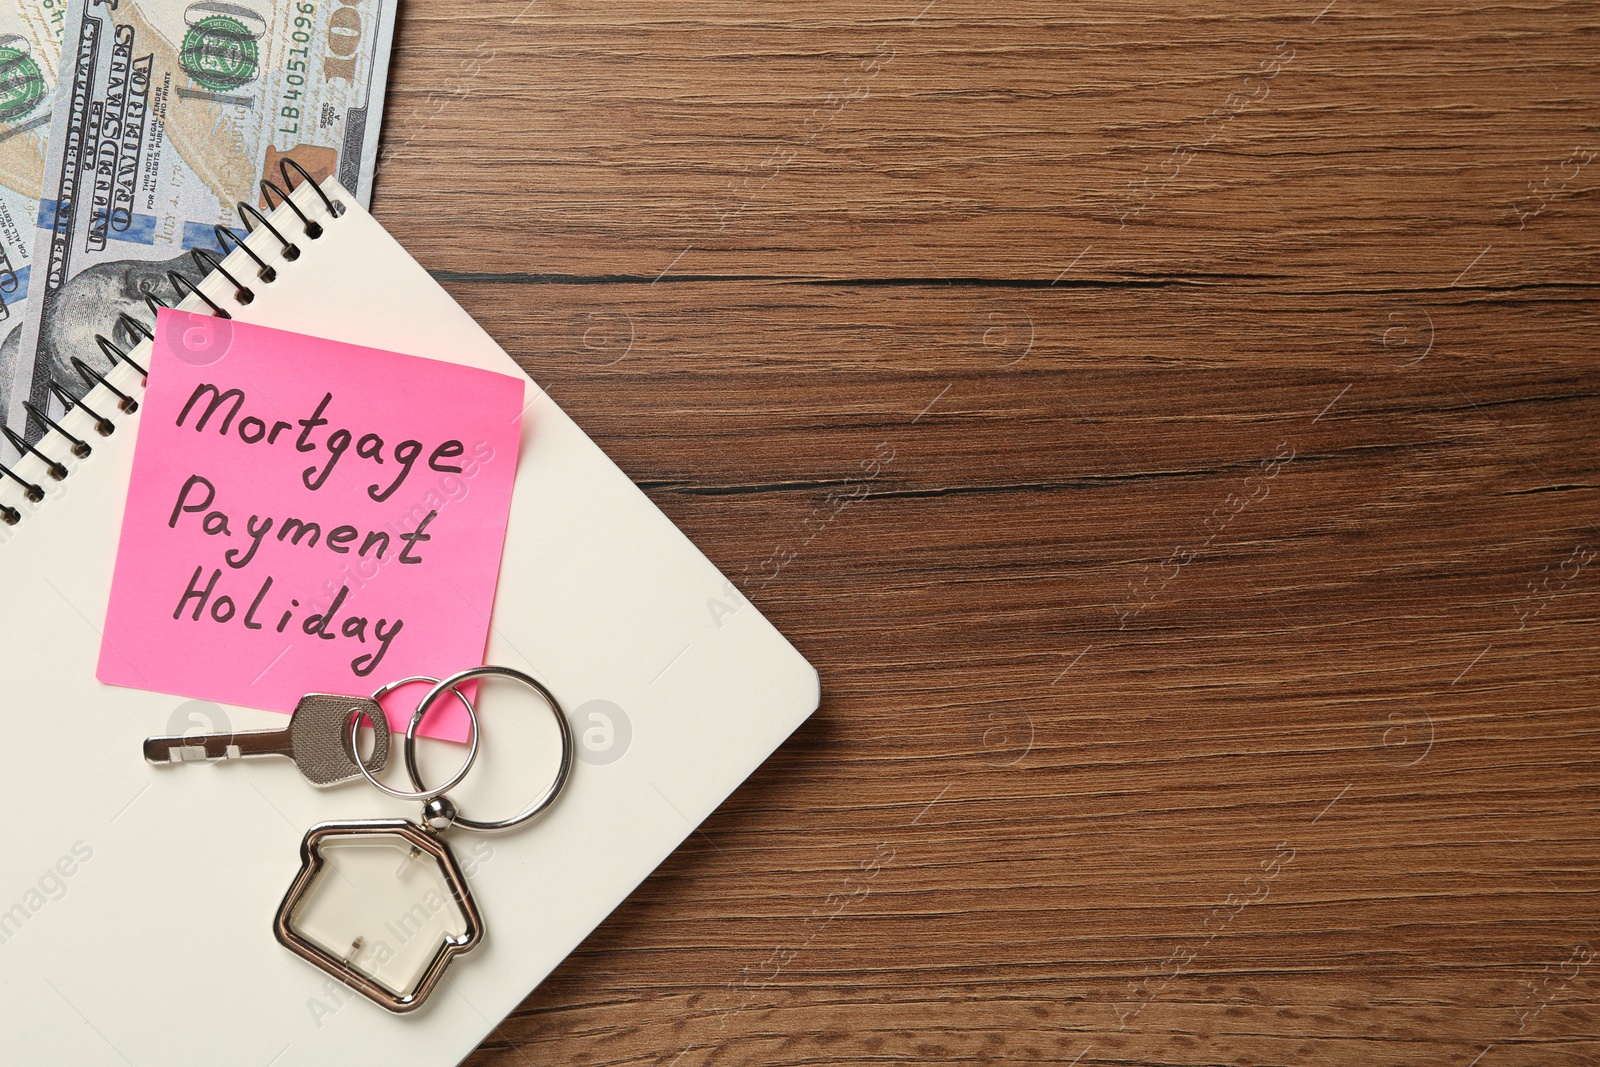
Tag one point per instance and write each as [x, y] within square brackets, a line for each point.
[317, 739]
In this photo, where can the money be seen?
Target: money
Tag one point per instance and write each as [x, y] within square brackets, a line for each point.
[30, 49]
[166, 114]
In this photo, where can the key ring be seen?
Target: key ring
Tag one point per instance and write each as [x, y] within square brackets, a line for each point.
[442, 810]
[424, 794]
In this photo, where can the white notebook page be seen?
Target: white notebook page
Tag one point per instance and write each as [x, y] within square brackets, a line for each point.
[157, 947]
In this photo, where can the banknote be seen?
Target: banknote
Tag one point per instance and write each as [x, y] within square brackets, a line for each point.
[30, 49]
[166, 114]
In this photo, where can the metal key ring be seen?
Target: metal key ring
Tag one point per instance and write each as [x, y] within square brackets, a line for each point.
[544, 799]
[466, 766]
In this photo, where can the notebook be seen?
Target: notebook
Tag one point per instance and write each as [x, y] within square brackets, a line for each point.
[136, 902]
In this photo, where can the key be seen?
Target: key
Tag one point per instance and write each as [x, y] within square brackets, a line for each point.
[317, 739]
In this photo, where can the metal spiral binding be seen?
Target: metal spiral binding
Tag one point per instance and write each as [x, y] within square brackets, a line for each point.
[115, 354]
[210, 262]
[291, 251]
[57, 469]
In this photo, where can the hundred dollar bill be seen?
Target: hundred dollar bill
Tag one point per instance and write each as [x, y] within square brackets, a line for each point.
[166, 114]
[30, 49]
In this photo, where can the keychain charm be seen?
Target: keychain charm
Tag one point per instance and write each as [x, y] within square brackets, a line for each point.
[345, 867]
[381, 904]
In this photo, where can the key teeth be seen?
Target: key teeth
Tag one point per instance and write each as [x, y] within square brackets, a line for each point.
[164, 750]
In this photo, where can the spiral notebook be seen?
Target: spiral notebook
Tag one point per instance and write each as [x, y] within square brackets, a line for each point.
[136, 902]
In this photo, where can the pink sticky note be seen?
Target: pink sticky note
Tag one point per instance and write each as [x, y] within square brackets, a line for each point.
[308, 516]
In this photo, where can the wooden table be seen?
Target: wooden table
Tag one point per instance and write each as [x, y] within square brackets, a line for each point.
[1169, 429]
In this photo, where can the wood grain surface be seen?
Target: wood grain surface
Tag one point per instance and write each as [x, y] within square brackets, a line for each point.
[1170, 431]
